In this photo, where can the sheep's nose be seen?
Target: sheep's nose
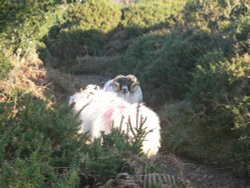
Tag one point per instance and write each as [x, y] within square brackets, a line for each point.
[124, 90]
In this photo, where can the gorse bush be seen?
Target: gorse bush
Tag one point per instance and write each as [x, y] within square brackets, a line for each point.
[19, 31]
[224, 97]
[113, 155]
[214, 15]
[212, 117]
[199, 61]
[102, 27]
[102, 15]
[164, 61]
[83, 30]
[40, 147]
[149, 15]
[35, 140]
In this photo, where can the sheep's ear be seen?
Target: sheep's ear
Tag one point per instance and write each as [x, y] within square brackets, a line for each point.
[134, 87]
[115, 86]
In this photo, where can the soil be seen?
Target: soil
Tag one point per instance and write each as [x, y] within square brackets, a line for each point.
[203, 175]
[200, 175]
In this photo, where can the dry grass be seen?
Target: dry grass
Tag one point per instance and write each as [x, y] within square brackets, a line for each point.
[28, 75]
[62, 85]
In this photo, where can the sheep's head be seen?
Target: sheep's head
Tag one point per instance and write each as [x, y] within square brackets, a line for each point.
[125, 84]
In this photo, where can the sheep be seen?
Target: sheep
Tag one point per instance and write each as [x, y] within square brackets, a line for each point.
[100, 111]
[126, 87]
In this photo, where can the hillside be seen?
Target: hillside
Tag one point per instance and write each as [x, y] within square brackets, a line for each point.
[193, 62]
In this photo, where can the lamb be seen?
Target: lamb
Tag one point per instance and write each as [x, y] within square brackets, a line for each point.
[100, 111]
[126, 87]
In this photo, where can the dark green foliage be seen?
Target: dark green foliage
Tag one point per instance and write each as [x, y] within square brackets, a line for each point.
[113, 156]
[164, 61]
[35, 140]
[70, 45]
[221, 92]
[86, 25]
[83, 30]
[203, 61]
[212, 120]
[40, 147]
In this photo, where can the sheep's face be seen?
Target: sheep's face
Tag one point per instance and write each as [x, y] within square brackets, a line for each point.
[125, 84]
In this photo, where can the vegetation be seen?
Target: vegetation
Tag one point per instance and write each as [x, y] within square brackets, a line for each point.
[5, 66]
[191, 57]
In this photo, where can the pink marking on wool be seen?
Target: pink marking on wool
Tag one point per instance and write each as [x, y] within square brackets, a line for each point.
[109, 117]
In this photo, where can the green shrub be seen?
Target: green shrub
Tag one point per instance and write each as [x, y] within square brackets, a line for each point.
[19, 31]
[70, 45]
[220, 85]
[164, 62]
[241, 33]
[213, 15]
[214, 120]
[109, 158]
[84, 30]
[100, 15]
[34, 141]
[149, 15]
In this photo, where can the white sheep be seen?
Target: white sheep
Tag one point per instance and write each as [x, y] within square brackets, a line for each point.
[99, 111]
[126, 87]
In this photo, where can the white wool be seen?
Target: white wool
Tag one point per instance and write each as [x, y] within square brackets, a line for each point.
[99, 110]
